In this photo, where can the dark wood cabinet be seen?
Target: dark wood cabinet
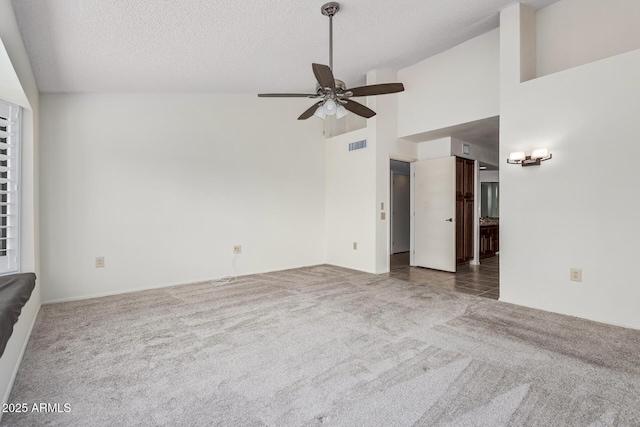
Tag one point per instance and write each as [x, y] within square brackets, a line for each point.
[465, 192]
[489, 240]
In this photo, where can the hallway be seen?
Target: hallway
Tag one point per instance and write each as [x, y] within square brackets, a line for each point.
[481, 280]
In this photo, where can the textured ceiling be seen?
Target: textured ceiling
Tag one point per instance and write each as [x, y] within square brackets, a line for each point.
[232, 46]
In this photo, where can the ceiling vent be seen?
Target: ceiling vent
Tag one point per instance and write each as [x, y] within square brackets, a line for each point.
[358, 145]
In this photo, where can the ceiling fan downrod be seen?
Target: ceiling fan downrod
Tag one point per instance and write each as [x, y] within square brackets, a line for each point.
[330, 9]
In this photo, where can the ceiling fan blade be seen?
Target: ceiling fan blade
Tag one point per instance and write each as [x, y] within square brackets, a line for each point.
[308, 113]
[359, 109]
[287, 95]
[380, 89]
[324, 76]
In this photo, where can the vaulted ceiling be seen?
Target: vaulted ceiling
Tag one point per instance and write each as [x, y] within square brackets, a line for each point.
[232, 46]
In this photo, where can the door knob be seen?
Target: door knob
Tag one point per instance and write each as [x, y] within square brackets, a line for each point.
[450, 219]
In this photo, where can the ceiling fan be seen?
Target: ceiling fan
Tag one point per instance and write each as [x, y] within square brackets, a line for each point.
[334, 95]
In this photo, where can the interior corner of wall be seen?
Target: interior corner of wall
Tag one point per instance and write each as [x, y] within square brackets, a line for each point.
[528, 52]
[517, 44]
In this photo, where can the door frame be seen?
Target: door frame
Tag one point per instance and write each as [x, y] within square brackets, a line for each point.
[409, 160]
[393, 176]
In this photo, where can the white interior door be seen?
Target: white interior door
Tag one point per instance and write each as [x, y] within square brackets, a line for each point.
[435, 208]
[400, 213]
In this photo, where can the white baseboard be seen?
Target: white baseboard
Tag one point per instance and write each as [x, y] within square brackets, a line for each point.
[128, 291]
[162, 285]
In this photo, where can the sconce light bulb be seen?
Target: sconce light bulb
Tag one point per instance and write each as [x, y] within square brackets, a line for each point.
[517, 156]
[540, 153]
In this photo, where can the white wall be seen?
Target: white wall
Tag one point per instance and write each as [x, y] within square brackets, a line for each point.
[351, 202]
[576, 32]
[457, 86]
[14, 63]
[434, 149]
[358, 185]
[578, 209]
[383, 129]
[164, 185]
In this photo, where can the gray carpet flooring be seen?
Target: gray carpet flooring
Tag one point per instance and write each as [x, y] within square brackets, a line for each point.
[323, 346]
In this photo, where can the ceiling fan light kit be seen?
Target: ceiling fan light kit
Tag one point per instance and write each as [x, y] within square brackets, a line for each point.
[330, 107]
[333, 92]
[319, 113]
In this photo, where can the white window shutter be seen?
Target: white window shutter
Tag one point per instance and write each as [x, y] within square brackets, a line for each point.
[9, 188]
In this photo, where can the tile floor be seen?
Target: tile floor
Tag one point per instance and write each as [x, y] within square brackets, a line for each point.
[481, 280]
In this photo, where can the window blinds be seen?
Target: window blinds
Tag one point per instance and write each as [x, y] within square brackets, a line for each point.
[9, 188]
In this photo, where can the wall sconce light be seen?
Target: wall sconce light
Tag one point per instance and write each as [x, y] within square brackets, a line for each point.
[537, 156]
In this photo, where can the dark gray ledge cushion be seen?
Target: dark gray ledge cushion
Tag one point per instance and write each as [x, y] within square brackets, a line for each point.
[15, 291]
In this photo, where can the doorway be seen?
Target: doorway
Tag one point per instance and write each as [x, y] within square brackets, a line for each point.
[481, 279]
[400, 209]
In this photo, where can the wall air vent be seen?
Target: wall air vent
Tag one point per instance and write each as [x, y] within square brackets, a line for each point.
[358, 145]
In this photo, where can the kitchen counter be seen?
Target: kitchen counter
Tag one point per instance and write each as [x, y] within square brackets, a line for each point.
[489, 221]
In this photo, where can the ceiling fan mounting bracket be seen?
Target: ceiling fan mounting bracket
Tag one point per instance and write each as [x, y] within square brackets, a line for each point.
[341, 88]
[330, 9]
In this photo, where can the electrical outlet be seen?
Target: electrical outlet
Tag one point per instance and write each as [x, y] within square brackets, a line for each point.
[100, 262]
[383, 215]
[237, 249]
[355, 246]
[381, 206]
[576, 275]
